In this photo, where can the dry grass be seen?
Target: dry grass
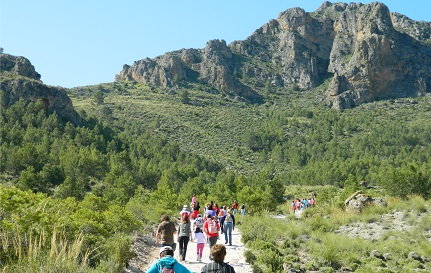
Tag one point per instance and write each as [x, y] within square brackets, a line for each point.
[29, 253]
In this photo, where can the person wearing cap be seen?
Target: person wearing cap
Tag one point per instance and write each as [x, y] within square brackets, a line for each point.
[218, 253]
[185, 212]
[167, 260]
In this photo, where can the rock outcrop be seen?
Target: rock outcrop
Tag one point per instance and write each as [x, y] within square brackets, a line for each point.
[358, 201]
[19, 79]
[365, 51]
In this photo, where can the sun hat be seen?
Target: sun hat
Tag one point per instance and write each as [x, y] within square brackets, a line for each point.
[185, 207]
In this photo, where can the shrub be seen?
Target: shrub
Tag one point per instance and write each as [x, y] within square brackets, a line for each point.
[249, 257]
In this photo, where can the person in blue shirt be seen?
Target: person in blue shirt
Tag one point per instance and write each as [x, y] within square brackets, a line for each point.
[167, 260]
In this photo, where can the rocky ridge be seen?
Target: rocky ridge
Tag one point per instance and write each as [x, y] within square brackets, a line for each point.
[19, 79]
[365, 52]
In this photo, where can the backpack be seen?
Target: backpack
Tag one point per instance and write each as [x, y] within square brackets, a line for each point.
[199, 222]
[212, 227]
[229, 218]
[167, 269]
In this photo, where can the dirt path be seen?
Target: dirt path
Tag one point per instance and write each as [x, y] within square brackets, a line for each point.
[235, 255]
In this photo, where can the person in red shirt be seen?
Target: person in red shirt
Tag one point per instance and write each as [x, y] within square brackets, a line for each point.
[211, 229]
[235, 207]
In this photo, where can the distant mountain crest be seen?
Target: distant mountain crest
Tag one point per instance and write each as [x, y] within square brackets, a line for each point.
[365, 51]
[24, 82]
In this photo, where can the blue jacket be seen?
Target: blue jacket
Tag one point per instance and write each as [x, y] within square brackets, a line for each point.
[168, 261]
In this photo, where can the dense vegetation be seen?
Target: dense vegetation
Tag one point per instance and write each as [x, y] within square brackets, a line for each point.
[293, 134]
[71, 197]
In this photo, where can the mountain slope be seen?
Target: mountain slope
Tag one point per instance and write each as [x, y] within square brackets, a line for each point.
[366, 51]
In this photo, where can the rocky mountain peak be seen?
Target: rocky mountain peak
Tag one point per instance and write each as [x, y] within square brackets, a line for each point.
[19, 66]
[25, 83]
[363, 50]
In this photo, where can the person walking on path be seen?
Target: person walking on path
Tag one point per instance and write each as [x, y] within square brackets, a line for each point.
[167, 260]
[184, 235]
[200, 243]
[218, 253]
[243, 209]
[229, 226]
[211, 229]
[196, 209]
[185, 211]
[166, 231]
[234, 207]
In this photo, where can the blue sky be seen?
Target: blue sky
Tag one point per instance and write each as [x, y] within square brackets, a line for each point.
[76, 43]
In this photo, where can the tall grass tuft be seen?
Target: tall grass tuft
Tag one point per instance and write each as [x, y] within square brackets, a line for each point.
[31, 253]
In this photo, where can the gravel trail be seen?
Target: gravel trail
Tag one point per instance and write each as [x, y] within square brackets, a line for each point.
[235, 255]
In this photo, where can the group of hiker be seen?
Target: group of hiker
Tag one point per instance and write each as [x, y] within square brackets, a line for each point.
[298, 205]
[201, 228]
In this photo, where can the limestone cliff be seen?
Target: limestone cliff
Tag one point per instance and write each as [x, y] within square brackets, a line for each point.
[19, 79]
[365, 51]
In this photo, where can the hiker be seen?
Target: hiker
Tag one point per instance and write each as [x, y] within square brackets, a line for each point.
[312, 202]
[166, 231]
[293, 205]
[216, 209]
[211, 229]
[209, 213]
[218, 253]
[229, 226]
[200, 243]
[196, 209]
[235, 207]
[222, 216]
[199, 222]
[222, 211]
[243, 209]
[185, 211]
[184, 235]
[167, 260]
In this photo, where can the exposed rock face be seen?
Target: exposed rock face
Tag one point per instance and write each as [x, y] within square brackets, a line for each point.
[367, 53]
[213, 65]
[25, 83]
[19, 66]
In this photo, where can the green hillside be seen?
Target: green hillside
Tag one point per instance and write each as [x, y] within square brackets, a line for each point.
[293, 133]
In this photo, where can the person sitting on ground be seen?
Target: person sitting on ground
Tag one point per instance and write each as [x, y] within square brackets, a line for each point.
[218, 253]
[167, 260]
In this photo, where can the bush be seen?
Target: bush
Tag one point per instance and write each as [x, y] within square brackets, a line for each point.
[249, 257]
